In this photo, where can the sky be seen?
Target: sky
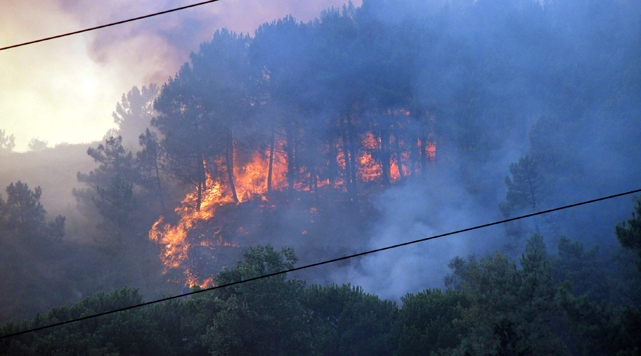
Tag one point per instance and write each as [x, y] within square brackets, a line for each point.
[65, 90]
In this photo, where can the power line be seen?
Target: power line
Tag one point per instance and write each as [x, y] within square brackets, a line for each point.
[107, 25]
[360, 254]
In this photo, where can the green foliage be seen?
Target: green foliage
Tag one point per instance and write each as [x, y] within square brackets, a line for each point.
[113, 159]
[139, 332]
[629, 231]
[344, 75]
[601, 328]
[115, 200]
[112, 195]
[182, 125]
[116, 204]
[428, 322]
[24, 217]
[511, 308]
[494, 306]
[264, 316]
[31, 254]
[584, 270]
[348, 321]
[133, 116]
[525, 187]
[24, 213]
[204, 107]
[626, 284]
[150, 163]
[555, 304]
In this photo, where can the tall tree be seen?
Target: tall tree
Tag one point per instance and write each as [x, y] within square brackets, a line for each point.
[526, 189]
[510, 308]
[629, 231]
[113, 159]
[138, 332]
[584, 270]
[134, 113]
[108, 189]
[149, 161]
[338, 62]
[427, 321]
[224, 85]
[7, 142]
[281, 51]
[204, 108]
[181, 121]
[116, 204]
[23, 216]
[265, 316]
[349, 321]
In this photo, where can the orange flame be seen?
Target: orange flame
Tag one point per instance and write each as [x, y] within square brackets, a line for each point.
[250, 181]
[173, 238]
[250, 173]
[431, 151]
[250, 177]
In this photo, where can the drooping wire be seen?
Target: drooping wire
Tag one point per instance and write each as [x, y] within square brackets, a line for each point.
[106, 25]
[360, 254]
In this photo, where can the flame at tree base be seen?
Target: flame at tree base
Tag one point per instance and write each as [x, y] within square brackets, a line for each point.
[180, 248]
[201, 243]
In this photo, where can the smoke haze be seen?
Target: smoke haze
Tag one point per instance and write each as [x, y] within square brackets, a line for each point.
[493, 82]
[64, 90]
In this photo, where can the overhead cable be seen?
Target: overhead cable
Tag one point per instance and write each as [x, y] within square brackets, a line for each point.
[107, 25]
[360, 254]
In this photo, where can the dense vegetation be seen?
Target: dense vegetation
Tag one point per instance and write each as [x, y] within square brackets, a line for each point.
[356, 101]
[540, 305]
[298, 134]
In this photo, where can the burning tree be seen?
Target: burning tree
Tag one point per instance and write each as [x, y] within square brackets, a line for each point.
[246, 119]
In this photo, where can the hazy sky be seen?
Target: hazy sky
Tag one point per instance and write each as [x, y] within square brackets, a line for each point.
[66, 89]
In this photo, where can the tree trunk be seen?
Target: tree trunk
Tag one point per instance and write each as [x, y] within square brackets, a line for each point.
[348, 166]
[353, 156]
[399, 156]
[414, 148]
[271, 162]
[202, 180]
[200, 196]
[162, 197]
[291, 160]
[423, 154]
[332, 166]
[385, 157]
[200, 164]
[315, 182]
[230, 164]
[350, 157]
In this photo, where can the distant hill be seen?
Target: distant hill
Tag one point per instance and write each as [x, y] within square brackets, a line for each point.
[54, 170]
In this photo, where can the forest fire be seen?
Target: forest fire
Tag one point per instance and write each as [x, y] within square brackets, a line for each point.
[174, 239]
[250, 181]
[251, 173]
[199, 236]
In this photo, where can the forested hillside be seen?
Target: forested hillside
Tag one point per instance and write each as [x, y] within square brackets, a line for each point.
[491, 306]
[366, 127]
